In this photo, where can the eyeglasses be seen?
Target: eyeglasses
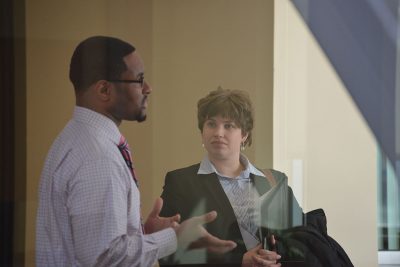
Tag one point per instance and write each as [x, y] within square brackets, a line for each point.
[141, 81]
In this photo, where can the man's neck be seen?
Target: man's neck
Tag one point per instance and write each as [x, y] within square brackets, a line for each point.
[98, 110]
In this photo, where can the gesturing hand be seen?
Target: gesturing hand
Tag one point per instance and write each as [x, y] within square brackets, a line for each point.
[156, 223]
[260, 257]
[191, 234]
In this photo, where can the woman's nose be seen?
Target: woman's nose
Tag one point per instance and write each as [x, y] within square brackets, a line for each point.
[219, 131]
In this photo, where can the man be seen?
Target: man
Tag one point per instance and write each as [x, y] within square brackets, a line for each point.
[89, 206]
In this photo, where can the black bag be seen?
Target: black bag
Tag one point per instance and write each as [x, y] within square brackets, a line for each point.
[310, 243]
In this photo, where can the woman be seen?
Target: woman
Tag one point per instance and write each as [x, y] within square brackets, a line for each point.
[224, 181]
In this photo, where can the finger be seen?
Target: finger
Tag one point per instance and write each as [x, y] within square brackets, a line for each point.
[257, 248]
[156, 207]
[214, 245]
[266, 252]
[268, 255]
[174, 225]
[217, 245]
[176, 218]
[205, 218]
[262, 262]
[273, 241]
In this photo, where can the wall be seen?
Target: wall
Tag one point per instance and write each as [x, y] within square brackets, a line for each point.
[318, 128]
[198, 46]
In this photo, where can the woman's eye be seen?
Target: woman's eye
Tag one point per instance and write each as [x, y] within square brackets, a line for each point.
[211, 124]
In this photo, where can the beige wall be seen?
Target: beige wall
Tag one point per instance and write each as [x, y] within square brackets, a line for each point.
[189, 48]
[198, 46]
[317, 124]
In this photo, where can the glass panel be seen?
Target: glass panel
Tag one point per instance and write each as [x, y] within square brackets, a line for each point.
[388, 207]
[306, 125]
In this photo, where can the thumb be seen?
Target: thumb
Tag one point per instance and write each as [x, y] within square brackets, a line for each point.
[156, 207]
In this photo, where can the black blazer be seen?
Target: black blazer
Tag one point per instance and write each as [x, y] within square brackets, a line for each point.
[191, 194]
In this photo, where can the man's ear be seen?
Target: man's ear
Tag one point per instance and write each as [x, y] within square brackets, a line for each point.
[103, 90]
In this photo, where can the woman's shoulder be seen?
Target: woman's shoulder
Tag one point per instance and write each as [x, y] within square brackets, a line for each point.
[276, 175]
[189, 170]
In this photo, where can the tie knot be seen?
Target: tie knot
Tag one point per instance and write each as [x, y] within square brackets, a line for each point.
[123, 144]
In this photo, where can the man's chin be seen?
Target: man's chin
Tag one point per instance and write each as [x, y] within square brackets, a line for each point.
[141, 118]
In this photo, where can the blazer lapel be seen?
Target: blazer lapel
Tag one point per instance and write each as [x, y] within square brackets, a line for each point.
[261, 183]
[226, 225]
[217, 194]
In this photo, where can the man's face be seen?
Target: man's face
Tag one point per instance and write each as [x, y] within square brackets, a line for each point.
[130, 99]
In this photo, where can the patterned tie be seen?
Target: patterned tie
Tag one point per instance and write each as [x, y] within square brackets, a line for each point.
[126, 154]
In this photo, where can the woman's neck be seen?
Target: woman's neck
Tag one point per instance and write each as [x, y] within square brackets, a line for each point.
[228, 167]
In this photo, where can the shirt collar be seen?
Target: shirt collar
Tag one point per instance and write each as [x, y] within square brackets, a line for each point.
[206, 167]
[103, 125]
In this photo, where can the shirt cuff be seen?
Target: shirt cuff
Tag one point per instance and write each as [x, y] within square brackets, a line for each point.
[166, 241]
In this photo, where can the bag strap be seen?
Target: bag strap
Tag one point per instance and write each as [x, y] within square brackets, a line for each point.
[270, 177]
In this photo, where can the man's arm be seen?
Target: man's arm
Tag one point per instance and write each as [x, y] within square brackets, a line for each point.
[104, 210]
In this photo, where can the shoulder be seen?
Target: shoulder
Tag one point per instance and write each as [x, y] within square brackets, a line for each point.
[182, 178]
[279, 175]
[274, 175]
[190, 170]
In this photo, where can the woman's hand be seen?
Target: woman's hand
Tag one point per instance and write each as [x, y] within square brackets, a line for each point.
[258, 257]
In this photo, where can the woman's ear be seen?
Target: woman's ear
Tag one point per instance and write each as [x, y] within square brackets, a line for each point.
[244, 137]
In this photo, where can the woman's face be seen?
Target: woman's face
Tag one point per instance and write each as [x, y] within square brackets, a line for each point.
[222, 138]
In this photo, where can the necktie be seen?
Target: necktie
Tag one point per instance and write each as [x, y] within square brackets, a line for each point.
[126, 154]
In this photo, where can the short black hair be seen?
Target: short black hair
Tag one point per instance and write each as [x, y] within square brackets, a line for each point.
[98, 58]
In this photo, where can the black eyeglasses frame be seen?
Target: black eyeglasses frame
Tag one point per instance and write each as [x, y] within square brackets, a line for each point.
[141, 81]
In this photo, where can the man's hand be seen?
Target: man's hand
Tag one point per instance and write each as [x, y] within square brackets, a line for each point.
[260, 257]
[156, 223]
[191, 234]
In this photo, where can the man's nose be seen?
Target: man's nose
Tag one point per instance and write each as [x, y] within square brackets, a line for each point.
[147, 88]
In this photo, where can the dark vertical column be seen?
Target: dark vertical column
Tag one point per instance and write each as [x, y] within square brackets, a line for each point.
[12, 131]
[6, 133]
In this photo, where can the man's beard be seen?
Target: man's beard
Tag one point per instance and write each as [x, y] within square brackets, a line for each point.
[141, 117]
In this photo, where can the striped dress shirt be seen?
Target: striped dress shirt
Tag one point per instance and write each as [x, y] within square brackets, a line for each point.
[89, 206]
